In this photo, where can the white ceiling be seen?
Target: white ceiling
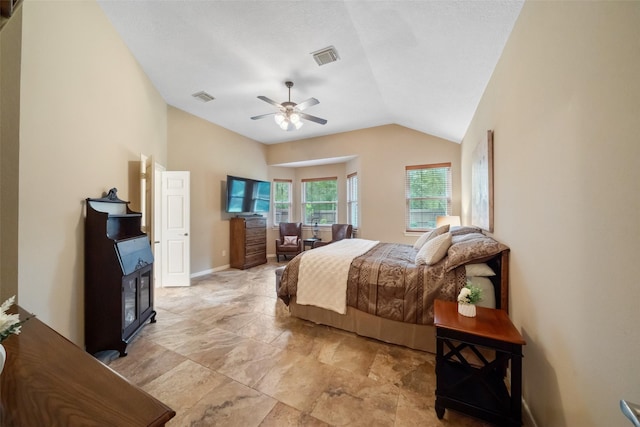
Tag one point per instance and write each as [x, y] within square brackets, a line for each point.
[419, 64]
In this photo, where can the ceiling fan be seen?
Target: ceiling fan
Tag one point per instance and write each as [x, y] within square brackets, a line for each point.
[289, 113]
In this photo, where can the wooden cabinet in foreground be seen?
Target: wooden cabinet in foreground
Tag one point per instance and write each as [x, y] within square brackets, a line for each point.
[49, 381]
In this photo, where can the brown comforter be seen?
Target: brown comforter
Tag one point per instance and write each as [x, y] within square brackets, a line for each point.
[385, 282]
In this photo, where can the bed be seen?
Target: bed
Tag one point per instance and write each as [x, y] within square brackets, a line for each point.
[387, 289]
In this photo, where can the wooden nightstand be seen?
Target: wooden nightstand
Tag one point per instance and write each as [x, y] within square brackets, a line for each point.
[477, 390]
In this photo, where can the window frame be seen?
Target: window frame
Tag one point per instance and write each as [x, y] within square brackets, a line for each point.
[447, 198]
[289, 202]
[352, 200]
[303, 201]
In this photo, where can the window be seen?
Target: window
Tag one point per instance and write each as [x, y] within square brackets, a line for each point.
[320, 201]
[428, 195]
[281, 201]
[352, 199]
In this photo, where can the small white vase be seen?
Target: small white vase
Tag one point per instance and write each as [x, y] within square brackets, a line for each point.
[468, 310]
[3, 357]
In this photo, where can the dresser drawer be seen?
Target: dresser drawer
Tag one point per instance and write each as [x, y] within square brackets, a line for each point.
[256, 233]
[255, 249]
[256, 259]
[256, 223]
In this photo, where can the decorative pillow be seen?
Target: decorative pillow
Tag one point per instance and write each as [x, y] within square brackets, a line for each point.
[457, 238]
[291, 240]
[479, 270]
[430, 235]
[471, 250]
[434, 250]
[459, 230]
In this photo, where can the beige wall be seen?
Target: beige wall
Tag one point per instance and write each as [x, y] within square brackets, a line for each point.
[87, 113]
[210, 153]
[381, 156]
[564, 105]
[10, 45]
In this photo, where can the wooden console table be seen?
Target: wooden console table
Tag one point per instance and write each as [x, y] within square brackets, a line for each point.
[49, 381]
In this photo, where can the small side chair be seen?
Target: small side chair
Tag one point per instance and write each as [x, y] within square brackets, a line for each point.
[338, 232]
[290, 241]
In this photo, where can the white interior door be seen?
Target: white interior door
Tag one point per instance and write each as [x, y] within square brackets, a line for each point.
[156, 223]
[175, 229]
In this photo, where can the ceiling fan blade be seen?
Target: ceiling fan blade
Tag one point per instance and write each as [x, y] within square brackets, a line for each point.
[270, 101]
[308, 103]
[313, 118]
[262, 116]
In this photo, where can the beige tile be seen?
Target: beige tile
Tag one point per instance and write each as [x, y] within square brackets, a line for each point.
[249, 361]
[184, 385]
[264, 328]
[296, 380]
[145, 361]
[211, 347]
[282, 416]
[419, 411]
[404, 367]
[230, 404]
[309, 339]
[352, 399]
[353, 353]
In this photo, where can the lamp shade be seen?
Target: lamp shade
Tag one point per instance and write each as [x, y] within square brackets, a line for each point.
[450, 219]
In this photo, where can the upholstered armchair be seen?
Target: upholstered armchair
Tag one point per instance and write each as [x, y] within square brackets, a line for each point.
[338, 232]
[290, 241]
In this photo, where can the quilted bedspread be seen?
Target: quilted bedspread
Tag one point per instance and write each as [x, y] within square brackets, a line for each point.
[386, 282]
[323, 273]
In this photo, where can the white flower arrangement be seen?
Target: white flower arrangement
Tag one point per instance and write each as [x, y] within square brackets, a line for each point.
[470, 294]
[10, 324]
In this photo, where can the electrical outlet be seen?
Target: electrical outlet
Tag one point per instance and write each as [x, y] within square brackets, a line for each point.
[224, 253]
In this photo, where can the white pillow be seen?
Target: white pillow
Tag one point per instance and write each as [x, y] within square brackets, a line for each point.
[290, 240]
[479, 270]
[430, 235]
[434, 250]
[488, 292]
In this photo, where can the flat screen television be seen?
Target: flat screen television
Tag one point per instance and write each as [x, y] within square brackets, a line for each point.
[245, 195]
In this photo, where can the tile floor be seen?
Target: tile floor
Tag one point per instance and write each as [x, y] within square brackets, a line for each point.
[225, 352]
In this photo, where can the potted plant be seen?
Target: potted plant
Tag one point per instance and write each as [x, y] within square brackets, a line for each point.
[468, 297]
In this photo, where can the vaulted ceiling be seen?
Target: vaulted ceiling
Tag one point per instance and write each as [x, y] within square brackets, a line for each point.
[419, 64]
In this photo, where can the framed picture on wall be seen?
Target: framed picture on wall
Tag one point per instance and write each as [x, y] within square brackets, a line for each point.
[7, 7]
[482, 184]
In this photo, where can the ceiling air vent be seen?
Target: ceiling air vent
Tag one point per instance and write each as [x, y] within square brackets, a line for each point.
[326, 55]
[203, 96]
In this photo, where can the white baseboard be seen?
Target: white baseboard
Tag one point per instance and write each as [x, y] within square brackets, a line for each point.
[527, 418]
[209, 271]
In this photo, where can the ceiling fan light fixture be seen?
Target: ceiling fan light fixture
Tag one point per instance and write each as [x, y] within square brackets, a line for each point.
[279, 118]
[288, 125]
[289, 116]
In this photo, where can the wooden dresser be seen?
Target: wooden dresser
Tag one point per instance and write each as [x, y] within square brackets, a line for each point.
[248, 241]
[49, 381]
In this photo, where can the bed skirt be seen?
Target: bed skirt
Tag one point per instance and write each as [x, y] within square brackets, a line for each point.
[418, 337]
